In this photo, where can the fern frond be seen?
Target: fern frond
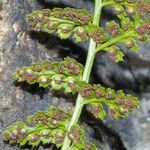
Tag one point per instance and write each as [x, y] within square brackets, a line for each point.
[66, 22]
[56, 75]
[133, 24]
[48, 127]
[67, 75]
[118, 104]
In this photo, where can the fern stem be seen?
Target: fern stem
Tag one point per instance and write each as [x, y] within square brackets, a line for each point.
[86, 74]
[92, 44]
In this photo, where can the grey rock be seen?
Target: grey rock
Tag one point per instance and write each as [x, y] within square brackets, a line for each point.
[19, 48]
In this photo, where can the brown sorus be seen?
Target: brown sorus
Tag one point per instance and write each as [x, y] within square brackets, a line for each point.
[58, 115]
[59, 138]
[112, 54]
[87, 146]
[95, 110]
[84, 91]
[142, 7]
[111, 112]
[113, 29]
[37, 68]
[38, 118]
[48, 67]
[97, 36]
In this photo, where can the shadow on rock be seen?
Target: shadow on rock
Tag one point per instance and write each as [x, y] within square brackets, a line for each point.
[34, 89]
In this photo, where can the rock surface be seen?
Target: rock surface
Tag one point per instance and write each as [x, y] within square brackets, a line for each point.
[19, 48]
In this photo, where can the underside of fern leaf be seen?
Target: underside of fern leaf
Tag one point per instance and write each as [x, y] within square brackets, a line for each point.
[67, 75]
[133, 25]
[65, 22]
[63, 75]
[49, 127]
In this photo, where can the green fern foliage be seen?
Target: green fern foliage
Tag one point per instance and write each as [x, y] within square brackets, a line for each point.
[133, 25]
[117, 103]
[46, 127]
[61, 77]
[66, 22]
[49, 127]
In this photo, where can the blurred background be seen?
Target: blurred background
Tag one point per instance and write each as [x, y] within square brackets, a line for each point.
[19, 48]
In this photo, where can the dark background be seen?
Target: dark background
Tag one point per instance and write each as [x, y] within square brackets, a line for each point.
[19, 47]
